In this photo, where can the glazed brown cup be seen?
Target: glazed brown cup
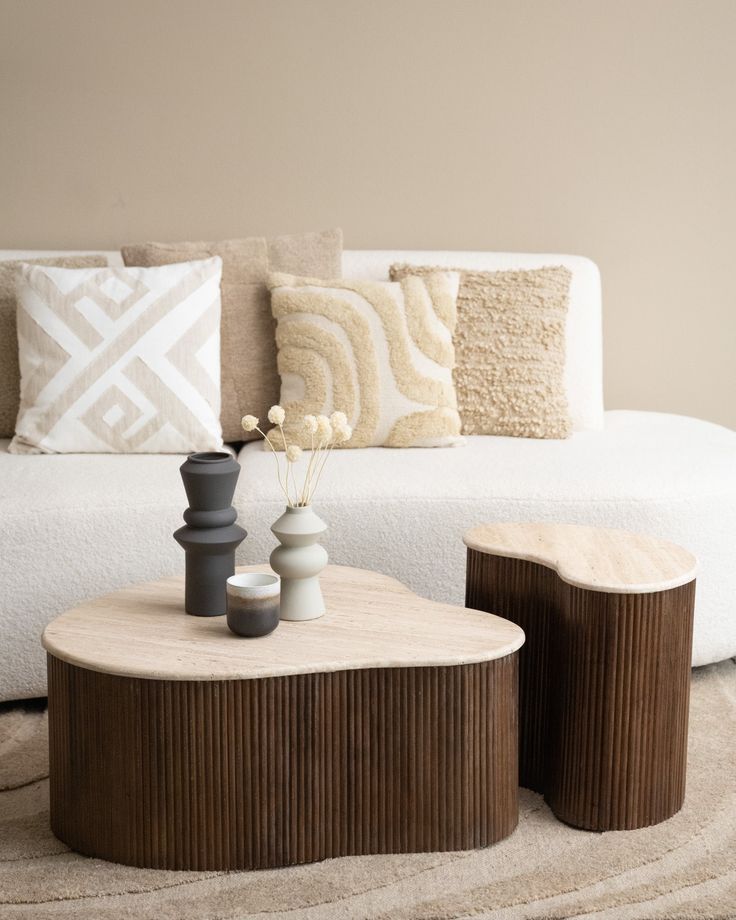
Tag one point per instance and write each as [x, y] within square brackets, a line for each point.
[253, 603]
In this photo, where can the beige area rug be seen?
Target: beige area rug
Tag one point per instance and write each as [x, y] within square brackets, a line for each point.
[684, 868]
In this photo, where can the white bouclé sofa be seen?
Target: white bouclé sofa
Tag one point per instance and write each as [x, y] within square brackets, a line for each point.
[75, 526]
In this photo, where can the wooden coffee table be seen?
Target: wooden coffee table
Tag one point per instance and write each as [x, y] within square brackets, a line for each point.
[605, 671]
[388, 725]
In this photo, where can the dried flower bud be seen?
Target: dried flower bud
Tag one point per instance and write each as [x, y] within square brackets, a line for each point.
[293, 453]
[249, 422]
[310, 423]
[276, 415]
[342, 434]
[324, 428]
[339, 419]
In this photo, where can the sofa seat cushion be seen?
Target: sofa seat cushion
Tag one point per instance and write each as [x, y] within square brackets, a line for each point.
[73, 527]
[404, 512]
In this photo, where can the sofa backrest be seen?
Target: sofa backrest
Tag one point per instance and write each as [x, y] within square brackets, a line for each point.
[584, 365]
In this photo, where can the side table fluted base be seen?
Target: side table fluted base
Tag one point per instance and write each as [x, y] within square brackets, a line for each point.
[604, 691]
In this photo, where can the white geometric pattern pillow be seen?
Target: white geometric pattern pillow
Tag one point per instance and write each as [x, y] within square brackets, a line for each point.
[119, 360]
[379, 351]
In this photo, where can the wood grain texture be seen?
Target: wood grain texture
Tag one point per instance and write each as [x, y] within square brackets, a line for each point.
[604, 691]
[282, 770]
[529, 595]
[371, 621]
[593, 558]
[619, 711]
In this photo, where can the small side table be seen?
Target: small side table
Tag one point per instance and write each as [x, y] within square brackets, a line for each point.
[605, 671]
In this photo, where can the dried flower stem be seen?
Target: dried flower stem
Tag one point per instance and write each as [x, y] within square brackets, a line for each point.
[288, 470]
[326, 453]
[330, 431]
[304, 499]
[278, 465]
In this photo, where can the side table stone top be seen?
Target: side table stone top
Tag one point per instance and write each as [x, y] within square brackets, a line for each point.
[372, 621]
[593, 558]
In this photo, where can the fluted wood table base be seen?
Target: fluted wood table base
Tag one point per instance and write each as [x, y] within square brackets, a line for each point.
[255, 774]
[604, 683]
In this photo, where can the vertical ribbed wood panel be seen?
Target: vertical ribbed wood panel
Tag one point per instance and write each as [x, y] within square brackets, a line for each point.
[526, 594]
[620, 708]
[604, 691]
[283, 770]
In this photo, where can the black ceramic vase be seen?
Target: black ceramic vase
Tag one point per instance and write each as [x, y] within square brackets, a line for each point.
[210, 535]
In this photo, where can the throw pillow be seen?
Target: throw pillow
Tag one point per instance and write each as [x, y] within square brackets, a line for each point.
[10, 379]
[379, 351]
[510, 346]
[250, 380]
[119, 360]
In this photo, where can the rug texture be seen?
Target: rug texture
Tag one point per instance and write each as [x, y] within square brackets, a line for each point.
[684, 868]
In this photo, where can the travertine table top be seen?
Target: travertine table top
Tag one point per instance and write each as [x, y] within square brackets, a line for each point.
[593, 558]
[372, 621]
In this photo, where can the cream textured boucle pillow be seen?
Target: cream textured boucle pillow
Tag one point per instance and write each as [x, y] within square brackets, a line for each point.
[381, 352]
[119, 360]
[510, 350]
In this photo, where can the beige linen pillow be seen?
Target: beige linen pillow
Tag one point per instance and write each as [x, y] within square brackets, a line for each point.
[510, 350]
[119, 360]
[379, 351]
[10, 376]
[250, 380]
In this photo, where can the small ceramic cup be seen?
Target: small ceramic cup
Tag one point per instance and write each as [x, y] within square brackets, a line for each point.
[253, 604]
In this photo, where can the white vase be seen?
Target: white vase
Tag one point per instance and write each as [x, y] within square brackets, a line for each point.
[298, 561]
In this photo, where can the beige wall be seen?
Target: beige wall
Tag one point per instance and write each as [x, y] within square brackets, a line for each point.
[600, 127]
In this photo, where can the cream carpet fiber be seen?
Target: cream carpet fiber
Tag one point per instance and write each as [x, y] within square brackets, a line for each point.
[684, 868]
